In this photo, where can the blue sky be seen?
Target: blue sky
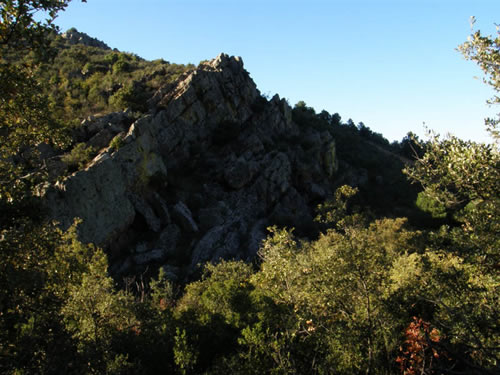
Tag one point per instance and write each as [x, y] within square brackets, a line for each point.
[391, 64]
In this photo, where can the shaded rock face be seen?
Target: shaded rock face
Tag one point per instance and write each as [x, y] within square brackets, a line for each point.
[199, 178]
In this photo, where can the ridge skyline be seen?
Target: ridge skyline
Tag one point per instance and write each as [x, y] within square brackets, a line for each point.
[391, 66]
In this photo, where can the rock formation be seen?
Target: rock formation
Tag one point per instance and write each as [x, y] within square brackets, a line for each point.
[73, 36]
[197, 179]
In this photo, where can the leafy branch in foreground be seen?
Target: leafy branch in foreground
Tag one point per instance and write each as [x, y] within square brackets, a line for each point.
[25, 113]
[20, 29]
[485, 52]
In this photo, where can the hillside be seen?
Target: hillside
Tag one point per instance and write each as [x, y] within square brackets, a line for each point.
[86, 78]
[169, 218]
[202, 164]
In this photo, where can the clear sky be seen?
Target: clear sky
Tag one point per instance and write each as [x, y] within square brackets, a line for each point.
[391, 64]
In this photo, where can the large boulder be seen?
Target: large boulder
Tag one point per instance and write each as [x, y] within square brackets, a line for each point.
[98, 196]
[220, 242]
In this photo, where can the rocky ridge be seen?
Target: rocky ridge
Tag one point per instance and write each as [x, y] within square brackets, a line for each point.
[197, 179]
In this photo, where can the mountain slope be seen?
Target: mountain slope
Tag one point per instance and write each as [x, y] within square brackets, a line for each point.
[199, 178]
[205, 167]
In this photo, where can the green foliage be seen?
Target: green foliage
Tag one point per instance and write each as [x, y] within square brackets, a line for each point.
[263, 351]
[185, 355]
[94, 313]
[19, 30]
[334, 211]
[213, 310]
[335, 285]
[25, 112]
[121, 98]
[24, 122]
[162, 293]
[306, 116]
[132, 96]
[460, 267]
[437, 210]
[485, 51]
[222, 291]
[464, 179]
[26, 328]
[121, 66]
[410, 147]
[58, 306]
[87, 80]
[455, 172]
[353, 291]
[79, 156]
[463, 300]
[116, 143]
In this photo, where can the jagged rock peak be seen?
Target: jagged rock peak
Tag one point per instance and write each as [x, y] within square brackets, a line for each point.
[73, 36]
[223, 61]
[219, 89]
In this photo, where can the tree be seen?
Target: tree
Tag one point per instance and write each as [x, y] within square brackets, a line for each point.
[211, 312]
[485, 51]
[93, 312]
[410, 146]
[460, 266]
[55, 295]
[336, 119]
[20, 31]
[25, 118]
[456, 297]
[339, 313]
[463, 177]
[29, 328]
[57, 304]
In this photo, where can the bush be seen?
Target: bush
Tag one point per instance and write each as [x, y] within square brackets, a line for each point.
[121, 66]
[116, 142]
[79, 156]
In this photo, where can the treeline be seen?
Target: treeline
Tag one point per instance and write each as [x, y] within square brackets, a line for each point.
[410, 147]
[387, 192]
[369, 295]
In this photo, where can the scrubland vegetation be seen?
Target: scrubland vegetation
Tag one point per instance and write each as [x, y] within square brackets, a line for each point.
[374, 293]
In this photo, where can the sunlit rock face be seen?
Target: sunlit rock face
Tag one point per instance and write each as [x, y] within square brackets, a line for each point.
[198, 178]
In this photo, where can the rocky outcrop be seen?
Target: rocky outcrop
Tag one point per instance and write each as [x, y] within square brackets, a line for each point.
[97, 195]
[198, 178]
[99, 131]
[73, 36]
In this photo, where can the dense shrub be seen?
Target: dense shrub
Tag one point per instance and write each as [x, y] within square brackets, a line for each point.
[78, 157]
